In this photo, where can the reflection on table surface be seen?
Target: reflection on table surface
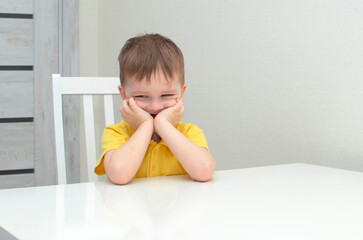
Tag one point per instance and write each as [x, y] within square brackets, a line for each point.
[294, 201]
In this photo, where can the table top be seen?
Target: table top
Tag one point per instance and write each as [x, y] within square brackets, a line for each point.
[292, 201]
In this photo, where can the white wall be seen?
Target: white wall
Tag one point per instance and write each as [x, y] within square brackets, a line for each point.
[269, 82]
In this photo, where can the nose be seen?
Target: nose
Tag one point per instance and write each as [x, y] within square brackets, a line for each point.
[155, 106]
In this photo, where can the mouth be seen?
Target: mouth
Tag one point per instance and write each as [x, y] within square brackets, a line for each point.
[153, 115]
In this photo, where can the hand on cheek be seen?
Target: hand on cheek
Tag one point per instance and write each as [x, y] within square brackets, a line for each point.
[133, 114]
[172, 114]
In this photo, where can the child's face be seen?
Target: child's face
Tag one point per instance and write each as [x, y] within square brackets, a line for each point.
[155, 96]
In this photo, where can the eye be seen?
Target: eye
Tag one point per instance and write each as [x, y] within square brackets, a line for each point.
[141, 97]
[168, 95]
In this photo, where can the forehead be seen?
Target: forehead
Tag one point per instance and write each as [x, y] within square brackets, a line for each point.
[158, 82]
[154, 86]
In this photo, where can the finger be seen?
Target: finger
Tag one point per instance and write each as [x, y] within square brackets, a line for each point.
[125, 106]
[177, 106]
[133, 105]
[180, 110]
[177, 101]
[122, 111]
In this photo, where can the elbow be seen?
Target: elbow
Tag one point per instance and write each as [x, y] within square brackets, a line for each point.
[202, 178]
[205, 174]
[120, 180]
[118, 175]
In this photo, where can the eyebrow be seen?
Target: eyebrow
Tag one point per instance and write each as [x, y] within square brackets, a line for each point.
[147, 93]
[169, 91]
[163, 92]
[141, 92]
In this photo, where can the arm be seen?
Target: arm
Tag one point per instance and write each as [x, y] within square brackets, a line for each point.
[197, 161]
[122, 164]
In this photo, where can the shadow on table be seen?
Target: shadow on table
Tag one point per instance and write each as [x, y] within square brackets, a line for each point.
[156, 208]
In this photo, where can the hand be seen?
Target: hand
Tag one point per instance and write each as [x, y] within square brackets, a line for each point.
[133, 114]
[172, 114]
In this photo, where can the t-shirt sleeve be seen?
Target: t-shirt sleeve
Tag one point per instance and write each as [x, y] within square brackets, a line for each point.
[112, 138]
[196, 135]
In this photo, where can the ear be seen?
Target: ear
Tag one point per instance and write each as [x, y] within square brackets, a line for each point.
[182, 91]
[122, 92]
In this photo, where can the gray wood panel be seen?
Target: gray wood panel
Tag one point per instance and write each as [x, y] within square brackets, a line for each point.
[16, 146]
[71, 138]
[117, 101]
[16, 6]
[56, 34]
[16, 41]
[17, 180]
[16, 94]
[46, 41]
[71, 103]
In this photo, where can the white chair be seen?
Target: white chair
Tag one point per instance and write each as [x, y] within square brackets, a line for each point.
[86, 86]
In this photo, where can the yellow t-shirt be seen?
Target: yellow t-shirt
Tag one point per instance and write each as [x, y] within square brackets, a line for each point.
[158, 160]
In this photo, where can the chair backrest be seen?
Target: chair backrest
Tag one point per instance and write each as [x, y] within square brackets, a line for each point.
[86, 86]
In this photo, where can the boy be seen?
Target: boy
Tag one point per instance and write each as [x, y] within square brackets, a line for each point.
[151, 140]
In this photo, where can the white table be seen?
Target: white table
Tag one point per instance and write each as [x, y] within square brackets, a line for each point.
[293, 201]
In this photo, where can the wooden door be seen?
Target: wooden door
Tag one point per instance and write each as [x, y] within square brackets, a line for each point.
[37, 38]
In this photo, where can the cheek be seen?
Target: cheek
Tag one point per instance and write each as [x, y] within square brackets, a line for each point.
[141, 104]
[169, 103]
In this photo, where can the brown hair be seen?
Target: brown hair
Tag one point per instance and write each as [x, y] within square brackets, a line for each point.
[141, 56]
